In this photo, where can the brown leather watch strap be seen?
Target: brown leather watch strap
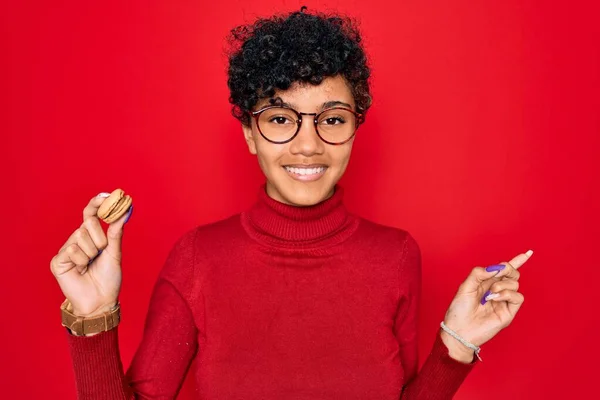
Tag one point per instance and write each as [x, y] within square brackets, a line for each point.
[85, 325]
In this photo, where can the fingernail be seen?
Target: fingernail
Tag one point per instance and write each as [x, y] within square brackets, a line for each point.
[484, 298]
[128, 214]
[529, 253]
[493, 268]
[492, 296]
[103, 194]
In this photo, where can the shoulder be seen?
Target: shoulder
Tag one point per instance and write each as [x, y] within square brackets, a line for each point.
[208, 235]
[193, 246]
[400, 238]
[398, 244]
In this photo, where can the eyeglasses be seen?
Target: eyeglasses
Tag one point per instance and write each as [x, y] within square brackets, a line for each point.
[280, 125]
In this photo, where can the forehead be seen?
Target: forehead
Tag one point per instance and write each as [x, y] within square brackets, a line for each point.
[307, 97]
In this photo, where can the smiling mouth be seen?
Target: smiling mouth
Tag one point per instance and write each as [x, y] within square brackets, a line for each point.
[306, 173]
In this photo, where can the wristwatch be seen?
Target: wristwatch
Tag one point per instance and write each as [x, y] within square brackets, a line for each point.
[80, 326]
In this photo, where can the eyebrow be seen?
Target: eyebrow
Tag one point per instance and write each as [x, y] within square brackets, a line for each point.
[335, 103]
[328, 104]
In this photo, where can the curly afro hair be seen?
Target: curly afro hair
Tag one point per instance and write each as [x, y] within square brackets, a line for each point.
[275, 52]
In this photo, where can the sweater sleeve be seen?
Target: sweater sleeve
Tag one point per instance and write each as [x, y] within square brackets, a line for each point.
[440, 376]
[168, 346]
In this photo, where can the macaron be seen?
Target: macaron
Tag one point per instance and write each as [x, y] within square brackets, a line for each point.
[114, 206]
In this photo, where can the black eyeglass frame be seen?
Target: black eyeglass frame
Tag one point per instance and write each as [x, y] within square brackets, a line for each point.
[358, 116]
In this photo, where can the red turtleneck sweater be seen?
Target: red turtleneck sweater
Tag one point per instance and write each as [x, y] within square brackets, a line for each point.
[279, 302]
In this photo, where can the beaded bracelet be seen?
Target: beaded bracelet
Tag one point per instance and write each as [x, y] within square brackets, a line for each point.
[455, 335]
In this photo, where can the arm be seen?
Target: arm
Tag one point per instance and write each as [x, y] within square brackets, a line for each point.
[441, 375]
[168, 345]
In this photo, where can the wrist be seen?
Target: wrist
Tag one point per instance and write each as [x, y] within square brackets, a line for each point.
[102, 319]
[98, 311]
[456, 350]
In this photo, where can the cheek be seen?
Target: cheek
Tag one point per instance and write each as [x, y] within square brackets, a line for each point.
[341, 156]
[269, 155]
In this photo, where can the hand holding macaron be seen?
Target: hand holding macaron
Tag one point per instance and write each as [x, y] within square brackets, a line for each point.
[88, 266]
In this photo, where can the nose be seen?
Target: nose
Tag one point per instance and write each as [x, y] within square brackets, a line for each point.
[307, 142]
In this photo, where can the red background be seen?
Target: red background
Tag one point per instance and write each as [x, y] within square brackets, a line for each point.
[483, 142]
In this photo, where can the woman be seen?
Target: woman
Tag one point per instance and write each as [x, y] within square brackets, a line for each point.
[295, 298]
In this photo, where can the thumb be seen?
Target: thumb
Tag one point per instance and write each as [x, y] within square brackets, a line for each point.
[114, 234]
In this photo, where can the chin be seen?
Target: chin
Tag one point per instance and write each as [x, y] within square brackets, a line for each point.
[304, 194]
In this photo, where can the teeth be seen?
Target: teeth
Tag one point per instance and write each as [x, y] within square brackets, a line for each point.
[305, 171]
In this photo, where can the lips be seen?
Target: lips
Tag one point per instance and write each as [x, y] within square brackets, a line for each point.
[306, 165]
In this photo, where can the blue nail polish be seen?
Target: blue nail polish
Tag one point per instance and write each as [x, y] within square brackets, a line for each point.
[486, 294]
[129, 214]
[498, 267]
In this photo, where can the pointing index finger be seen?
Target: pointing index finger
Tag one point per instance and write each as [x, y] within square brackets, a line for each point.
[519, 260]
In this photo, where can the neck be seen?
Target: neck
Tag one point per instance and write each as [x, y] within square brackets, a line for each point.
[307, 196]
[278, 224]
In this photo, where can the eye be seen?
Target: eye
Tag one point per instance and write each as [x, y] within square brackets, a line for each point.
[280, 120]
[332, 120]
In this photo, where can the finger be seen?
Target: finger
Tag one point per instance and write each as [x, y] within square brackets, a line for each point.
[82, 269]
[115, 234]
[92, 225]
[521, 259]
[512, 266]
[513, 299]
[85, 242]
[71, 258]
[97, 234]
[89, 213]
[498, 286]
[91, 210]
[72, 239]
[506, 284]
[475, 279]
[507, 271]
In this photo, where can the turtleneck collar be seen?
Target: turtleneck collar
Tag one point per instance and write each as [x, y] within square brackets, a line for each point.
[274, 223]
